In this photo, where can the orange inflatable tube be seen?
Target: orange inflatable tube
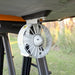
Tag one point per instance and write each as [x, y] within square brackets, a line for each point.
[11, 18]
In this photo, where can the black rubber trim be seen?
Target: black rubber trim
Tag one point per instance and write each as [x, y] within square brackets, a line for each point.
[43, 13]
[12, 22]
[11, 28]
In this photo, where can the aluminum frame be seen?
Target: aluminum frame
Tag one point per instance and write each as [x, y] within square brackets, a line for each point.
[42, 66]
[8, 54]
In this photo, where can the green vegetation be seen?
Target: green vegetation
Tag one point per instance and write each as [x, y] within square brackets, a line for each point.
[63, 1]
[59, 62]
[66, 43]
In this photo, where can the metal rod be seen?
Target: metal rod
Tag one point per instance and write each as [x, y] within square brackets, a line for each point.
[8, 54]
[1, 56]
[34, 65]
[26, 65]
[42, 66]
[37, 67]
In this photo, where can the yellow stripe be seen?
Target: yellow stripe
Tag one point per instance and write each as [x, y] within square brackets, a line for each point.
[13, 42]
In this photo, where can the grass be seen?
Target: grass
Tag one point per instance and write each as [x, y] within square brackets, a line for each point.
[59, 63]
